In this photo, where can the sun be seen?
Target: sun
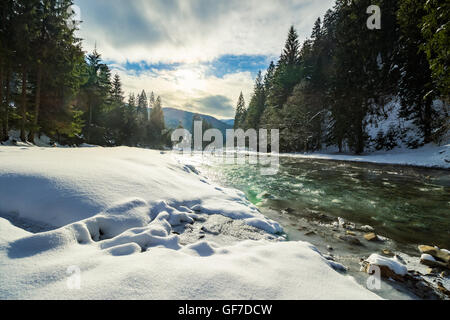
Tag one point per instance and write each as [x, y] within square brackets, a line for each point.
[190, 79]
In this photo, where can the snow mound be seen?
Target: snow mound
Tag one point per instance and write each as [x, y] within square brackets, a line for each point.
[61, 186]
[392, 264]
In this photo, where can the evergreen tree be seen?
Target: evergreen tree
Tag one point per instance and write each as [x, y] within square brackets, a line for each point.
[157, 123]
[117, 93]
[142, 101]
[257, 104]
[416, 83]
[151, 104]
[241, 113]
[287, 72]
[435, 31]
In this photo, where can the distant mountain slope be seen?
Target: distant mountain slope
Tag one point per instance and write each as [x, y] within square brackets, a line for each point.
[174, 116]
[229, 122]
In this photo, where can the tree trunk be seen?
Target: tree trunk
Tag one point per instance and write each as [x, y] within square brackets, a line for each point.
[1, 102]
[89, 124]
[427, 121]
[36, 104]
[360, 138]
[23, 109]
[6, 119]
[340, 144]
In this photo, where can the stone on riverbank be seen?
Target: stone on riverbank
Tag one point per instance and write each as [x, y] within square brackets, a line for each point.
[371, 237]
[430, 261]
[389, 268]
[367, 228]
[388, 253]
[437, 253]
[351, 240]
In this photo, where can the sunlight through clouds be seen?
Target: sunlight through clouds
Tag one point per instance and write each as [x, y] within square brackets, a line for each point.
[193, 38]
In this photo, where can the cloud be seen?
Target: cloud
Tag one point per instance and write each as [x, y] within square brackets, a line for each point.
[193, 30]
[190, 86]
[194, 53]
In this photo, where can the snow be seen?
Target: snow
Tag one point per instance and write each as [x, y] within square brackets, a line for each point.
[67, 185]
[403, 132]
[112, 214]
[429, 156]
[427, 257]
[393, 264]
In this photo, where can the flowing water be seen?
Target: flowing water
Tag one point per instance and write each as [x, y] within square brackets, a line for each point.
[407, 204]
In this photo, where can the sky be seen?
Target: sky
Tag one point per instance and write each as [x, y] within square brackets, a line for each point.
[198, 55]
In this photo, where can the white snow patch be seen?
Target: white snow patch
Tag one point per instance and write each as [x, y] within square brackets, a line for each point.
[427, 257]
[429, 156]
[394, 264]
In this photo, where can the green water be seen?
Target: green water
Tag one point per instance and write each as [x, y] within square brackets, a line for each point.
[408, 205]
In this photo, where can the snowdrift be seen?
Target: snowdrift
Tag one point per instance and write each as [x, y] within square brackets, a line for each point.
[111, 214]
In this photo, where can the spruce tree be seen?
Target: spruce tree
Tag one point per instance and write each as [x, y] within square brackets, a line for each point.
[416, 83]
[287, 72]
[117, 92]
[257, 104]
[157, 124]
[241, 113]
[436, 33]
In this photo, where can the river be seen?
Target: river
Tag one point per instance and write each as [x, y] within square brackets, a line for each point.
[407, 204]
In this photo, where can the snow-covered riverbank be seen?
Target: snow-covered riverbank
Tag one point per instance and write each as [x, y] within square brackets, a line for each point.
[429, 156]
[133, 224]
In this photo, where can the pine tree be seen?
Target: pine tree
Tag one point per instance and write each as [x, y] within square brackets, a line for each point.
[436, 33]
[416, 83]
[151, 104]
[317, 30]
[291, 51]
[241, 113]
[257, 104]
[142, 101]
[132, 100]
[117, 92]
[157, 123]
[287, 73]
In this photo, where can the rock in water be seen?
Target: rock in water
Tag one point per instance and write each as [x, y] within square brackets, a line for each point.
[388, 253]
[371, 237]
[352, 240]
[430, 261]
[443, 289]
[265, 195]
[389, 268]
[442, 255]
[367, 228]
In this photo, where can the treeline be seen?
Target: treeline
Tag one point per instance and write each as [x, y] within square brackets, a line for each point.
[49, 86]
[323, 92]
